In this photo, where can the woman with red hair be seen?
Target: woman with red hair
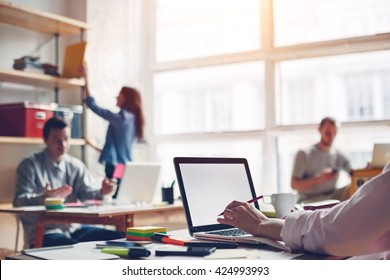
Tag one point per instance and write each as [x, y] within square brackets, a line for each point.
[124, 127]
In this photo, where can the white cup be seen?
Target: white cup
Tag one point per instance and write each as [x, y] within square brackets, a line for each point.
[282, 202]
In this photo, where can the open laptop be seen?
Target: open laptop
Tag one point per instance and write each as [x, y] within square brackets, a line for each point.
[380, 155]
[207, 186]
[138, 184]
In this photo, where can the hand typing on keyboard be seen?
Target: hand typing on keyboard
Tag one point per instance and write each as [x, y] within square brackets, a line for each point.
[229, 232]
[244, 216]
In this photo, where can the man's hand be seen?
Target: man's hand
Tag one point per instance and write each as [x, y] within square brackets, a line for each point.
[63, 191]
[108, 187]
[247, 218]
[305, 184]
[328, 175]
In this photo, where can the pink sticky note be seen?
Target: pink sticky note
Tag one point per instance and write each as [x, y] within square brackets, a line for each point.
[118, 171]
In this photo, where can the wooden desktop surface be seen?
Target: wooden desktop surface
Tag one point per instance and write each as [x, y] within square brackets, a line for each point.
[117, 215]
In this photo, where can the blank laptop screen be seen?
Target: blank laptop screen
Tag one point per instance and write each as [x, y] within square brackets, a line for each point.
[210, 187]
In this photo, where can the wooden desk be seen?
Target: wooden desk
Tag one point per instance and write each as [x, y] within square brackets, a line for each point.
[361, 176]
[119, 216]
[253, 251]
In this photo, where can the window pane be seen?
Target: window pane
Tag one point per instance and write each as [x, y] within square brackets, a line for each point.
[303, 21]
[251, 149]
[188, 29]
[348, 87]
[356, 144]
[210, 99]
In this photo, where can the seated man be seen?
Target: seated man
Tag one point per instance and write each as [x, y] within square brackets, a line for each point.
[54, 173]
[316, 169]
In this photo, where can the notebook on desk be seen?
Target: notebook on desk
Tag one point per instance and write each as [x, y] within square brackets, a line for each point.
[138, 183]
[380, 155]
[206, 186]
[67, 252]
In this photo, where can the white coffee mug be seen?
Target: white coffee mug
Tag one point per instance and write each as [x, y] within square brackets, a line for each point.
[282, 202]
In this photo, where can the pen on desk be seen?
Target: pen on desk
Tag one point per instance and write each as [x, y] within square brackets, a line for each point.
[250, 201]
[127, 252]
[160, 237]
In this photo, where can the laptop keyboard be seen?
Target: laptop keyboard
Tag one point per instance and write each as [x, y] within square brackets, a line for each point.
[229, 232]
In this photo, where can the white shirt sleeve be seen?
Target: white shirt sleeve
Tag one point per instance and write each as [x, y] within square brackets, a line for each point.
[358, 226]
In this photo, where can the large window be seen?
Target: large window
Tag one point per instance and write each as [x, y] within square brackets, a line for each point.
[228, 97]
[188, 29]
[304, 21]
[351, 87]
[238, 79]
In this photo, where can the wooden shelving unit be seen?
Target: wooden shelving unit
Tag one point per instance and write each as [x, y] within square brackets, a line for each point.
[43, 22]
[39, 80]
[47, 23]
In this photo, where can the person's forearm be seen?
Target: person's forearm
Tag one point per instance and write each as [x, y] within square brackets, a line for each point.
[334, 231]
[271, 229]
[85, 74]
[86, 88]
[305, 184]
[93, 145]
[86, 193]
[28, 199]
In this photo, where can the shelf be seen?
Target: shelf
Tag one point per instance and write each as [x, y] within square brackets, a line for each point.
[6, 206]
[51, 24]
[39, 21]
[39, 80]
[29, 140]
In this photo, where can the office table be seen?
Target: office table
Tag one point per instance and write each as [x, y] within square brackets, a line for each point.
[253, 251]
[117, 215]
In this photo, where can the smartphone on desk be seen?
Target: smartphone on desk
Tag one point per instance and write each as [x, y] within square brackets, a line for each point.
[118, 243]
[185, 251]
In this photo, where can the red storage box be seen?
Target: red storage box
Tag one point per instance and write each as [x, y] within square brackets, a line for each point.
[24, 119]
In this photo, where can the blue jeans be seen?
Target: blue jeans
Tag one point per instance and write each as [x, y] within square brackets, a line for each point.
[85, 233]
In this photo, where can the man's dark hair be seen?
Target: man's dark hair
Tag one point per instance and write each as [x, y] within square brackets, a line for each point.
[53, 123]
[328, 120]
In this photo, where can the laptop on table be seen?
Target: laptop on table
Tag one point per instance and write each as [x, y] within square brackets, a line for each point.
[138, 183]
[207, 186]
[380, 155]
